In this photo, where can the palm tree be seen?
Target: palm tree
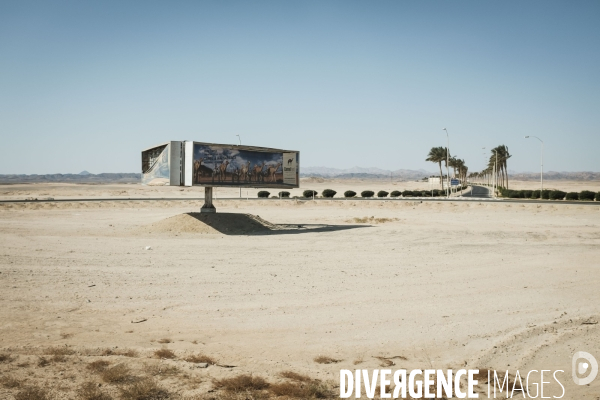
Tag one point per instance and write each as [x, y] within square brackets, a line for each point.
[505, 156]
[462, 170]
[454, 163]
[501, 152]
[437, 155]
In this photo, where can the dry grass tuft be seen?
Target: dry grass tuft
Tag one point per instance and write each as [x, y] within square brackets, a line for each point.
[164, 341]
[372, 220]
[161, 370]
[482, 375]
[127, 353]
[301, 390]
[43, 362]
[241, 383]
[91, 391]
[325, 360]
[58, 358]
[31, 393]
[200, 358]
[58, 351]
[385, 362]
[360, 359]
[98, 365]
[10, 383]
[118, 374]
[146, 389]
[248, 395]
[164, 353]
[294, 376]
[66, 335]
[5, 358]
[124, 352]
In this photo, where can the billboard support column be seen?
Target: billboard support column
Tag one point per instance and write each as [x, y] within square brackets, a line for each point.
[208, 204]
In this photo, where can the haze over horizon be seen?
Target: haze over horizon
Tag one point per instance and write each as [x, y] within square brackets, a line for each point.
[87, 86]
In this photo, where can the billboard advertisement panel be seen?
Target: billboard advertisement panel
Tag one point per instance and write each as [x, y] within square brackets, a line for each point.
[227, 165]
[155, 166]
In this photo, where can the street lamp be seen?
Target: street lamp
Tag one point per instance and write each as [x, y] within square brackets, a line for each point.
[541, 163]
[495, 177]
[447, 166]
[484, 166]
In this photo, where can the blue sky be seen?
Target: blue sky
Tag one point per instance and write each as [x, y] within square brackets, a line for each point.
[88, 85]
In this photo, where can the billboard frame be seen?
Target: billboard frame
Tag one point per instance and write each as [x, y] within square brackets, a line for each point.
[183, 169]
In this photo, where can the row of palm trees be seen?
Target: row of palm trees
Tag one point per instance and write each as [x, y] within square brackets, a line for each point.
[498, 158]
[441, 154]
[497, 164]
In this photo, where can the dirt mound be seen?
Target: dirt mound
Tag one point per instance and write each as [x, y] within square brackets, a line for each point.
[218, 223]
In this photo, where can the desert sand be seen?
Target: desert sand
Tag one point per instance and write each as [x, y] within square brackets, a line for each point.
[416, 284]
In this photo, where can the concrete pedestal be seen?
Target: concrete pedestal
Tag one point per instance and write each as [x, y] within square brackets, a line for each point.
[208, 201]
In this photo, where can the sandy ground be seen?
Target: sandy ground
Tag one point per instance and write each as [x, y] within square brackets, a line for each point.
[501, 286]
[78, 191]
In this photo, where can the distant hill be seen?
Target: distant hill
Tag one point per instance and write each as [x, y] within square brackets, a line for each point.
[317, 172]
[72, 178]
[553, 175]
[364, 173]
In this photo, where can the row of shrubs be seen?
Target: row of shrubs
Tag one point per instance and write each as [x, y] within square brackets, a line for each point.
[585, 195]
[329, 193]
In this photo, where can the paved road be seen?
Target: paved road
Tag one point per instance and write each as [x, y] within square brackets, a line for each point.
[481, 193]
[478, 191]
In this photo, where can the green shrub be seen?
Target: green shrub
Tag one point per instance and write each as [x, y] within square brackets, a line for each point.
[597, 198]
[309, 193]
[329, 193]
[586, 195]
[514, 194]
[436, 192]
[557, 195]
[572, 196]
[349, 193]
[284, 195]
[407, 193]
[426, 193]
[546, 194]
[382, 193]
[367, 193]
[395, 193]
[527, 194]
[263, 194]
[535, 194]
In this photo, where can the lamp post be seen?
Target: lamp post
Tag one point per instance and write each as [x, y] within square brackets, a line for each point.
[482, 173]
[541, 163]
[447, 167]
[495, 177]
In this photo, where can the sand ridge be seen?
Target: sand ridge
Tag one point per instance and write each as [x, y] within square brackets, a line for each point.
[205, 223]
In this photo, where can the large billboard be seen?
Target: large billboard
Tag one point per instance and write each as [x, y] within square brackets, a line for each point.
[187, 163]
[226, 165]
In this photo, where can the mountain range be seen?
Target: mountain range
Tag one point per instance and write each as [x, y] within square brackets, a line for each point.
[363, 173]
[321, 172]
